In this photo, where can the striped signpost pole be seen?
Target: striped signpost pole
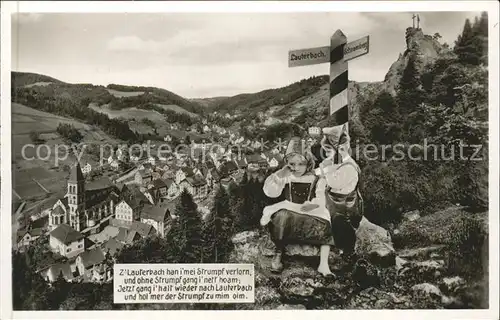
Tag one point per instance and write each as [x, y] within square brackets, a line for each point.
[337, 54]
[339, 80]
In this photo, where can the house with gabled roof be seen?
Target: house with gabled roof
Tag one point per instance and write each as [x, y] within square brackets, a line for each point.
[143, 177]
[182, 173]
[129, 209]
[275, 160]
[153, 160]
[143, 229]
[254, 158]
[163, 189]
[212, 177]
[112, 246]
[314, 130]
[157, 216]
[201, 169]
[26, 237]
[127, 236]
[66, 241]
[101, 273]
[52, 273]
[241, 162]
[88, 260]
[196, 186]
[228, 168]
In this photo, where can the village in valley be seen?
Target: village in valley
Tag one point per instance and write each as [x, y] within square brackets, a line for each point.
[135, 198]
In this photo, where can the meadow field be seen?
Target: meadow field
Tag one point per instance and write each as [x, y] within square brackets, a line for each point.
[37, 163]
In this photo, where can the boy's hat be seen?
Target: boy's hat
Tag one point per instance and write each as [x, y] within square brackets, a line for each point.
[333, 135]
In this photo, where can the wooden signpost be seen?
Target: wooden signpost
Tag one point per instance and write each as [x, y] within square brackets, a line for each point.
[337, 54]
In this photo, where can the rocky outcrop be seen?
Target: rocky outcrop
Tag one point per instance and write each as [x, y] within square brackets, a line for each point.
[375, 244]
[411, 215]
[415, 278]
[419, 45]
[436, 229]
[433, 252]
[373, 298]
[427, 290]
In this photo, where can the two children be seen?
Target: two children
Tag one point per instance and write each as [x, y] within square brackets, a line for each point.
[319, 207]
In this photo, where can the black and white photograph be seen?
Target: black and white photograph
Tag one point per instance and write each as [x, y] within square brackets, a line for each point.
[283, 160]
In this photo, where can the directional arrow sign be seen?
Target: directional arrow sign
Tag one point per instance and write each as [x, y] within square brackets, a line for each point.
[356, 48]
[304, 57]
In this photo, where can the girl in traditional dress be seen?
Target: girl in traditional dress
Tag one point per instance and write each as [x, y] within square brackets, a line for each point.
[301, 217]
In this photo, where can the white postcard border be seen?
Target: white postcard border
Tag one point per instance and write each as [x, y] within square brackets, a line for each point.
[222, 6]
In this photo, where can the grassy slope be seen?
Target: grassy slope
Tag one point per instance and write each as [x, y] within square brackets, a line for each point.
[77, 92]
[20, 79]
[167, 97]
[40, 83]
[25, 169]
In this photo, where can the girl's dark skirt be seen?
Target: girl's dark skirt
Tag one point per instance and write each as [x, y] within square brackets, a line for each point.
[289, 227]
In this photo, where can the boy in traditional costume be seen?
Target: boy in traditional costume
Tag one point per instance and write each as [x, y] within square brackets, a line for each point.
[343, 198]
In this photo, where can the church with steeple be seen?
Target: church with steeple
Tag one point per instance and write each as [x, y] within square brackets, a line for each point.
[81, 208]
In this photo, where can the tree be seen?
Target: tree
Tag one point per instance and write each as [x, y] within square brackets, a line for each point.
[480, 30]
[409, 92]
[184, 238]
[218, 229]
[69, 132]
[175, 141]
[436, 36]
[469, 46]
[60, 291]
[244, 179]
[235, 196]
[253, 202]
[244, 218]
[383, 119]
[199, 128]
[149, 123]
[29, 290]
[147, 250]
[35, 137]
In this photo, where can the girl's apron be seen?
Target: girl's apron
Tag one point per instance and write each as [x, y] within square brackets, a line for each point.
[289, 225]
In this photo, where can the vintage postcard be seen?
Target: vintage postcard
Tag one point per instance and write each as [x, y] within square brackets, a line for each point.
[248, 156]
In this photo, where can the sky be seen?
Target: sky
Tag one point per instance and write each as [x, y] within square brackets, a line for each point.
[198, 55]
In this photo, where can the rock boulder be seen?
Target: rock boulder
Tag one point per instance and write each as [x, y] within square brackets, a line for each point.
[374, 243]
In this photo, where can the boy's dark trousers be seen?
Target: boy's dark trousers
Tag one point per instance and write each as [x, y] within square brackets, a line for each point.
[344, 233]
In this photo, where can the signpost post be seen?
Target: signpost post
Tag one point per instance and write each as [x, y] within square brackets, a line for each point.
[337, 54]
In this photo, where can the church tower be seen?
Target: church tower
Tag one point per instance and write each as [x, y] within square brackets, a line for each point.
[76, 198]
